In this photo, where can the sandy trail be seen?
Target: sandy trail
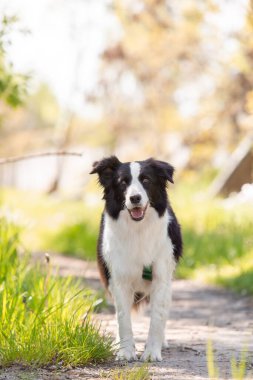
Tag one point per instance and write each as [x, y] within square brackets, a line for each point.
[199, 313]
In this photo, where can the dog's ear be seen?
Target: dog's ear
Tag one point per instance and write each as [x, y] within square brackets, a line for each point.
[105, 169]
[162, 169]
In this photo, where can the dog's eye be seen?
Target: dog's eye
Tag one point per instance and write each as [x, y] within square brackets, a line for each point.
[123, 184]
[145, 181]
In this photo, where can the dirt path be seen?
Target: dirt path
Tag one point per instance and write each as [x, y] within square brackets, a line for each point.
[199, 313]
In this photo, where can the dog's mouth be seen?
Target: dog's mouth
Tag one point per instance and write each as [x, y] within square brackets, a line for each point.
[137, 213]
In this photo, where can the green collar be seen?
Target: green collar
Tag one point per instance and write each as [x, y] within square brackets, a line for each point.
[147, 273]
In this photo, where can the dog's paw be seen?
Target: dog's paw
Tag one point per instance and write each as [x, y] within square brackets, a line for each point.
[126, 354]
[151, 354]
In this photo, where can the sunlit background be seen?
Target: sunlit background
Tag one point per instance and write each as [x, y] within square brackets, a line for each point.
[168, 79]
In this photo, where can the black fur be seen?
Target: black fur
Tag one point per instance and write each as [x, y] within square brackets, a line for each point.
[174, 231]
[111, 173]
[158, 173]
[102, 267]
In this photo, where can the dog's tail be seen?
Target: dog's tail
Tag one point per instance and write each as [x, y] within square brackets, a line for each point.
[140, 299]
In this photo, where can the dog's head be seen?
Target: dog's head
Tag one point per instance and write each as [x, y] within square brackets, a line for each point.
[134, 186]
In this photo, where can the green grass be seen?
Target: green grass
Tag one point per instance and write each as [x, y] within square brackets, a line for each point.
[44, 319]
[238, 367]
[54, 224]
[241, 282]
[218, 242]
[135, 373]
[77, 239]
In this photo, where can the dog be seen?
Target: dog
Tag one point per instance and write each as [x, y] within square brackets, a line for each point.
[138, 247]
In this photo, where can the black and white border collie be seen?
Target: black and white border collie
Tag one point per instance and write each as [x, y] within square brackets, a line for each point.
[138, 230]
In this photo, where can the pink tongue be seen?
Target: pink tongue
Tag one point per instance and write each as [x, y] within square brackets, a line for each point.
[137, 213]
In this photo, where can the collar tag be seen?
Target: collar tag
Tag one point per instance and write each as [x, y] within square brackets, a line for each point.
[147, 273]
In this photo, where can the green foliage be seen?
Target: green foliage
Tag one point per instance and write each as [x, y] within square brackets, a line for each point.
[218, 244]
[213, 371]
[238, 369]
[135, 373]
[44, 319]
[71, 228]
[78, 239]
[242, 282]
[13, 86]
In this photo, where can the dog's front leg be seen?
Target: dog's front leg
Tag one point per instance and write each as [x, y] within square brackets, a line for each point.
[123, 297]
[160, 299]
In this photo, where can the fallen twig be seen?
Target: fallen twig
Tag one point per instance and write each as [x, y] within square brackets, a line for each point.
[11, 160]
[187, 348]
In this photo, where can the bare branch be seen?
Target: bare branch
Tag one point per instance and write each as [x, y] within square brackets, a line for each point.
[11, 160]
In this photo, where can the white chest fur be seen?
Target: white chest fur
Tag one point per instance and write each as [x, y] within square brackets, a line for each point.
[128, 246]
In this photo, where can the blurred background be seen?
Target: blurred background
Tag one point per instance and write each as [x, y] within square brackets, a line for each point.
[135, 78]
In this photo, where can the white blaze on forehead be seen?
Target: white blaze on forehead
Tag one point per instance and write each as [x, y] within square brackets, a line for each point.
[135, 187]
[135, 169]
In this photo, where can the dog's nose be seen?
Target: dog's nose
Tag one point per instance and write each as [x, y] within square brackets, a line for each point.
[135, 199]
